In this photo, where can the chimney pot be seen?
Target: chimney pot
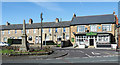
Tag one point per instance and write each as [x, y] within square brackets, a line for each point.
[30, 21]
[7, 23]
[57, 20]
[74, 15]
[113, 12]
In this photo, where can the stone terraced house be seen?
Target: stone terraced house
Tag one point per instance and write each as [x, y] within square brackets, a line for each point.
[92, 31]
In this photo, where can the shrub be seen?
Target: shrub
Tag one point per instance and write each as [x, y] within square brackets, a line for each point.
[58, 45]
[47, 48]
[9, 41]
[31, 49]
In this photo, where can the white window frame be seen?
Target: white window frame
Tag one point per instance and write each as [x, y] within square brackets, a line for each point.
[22, 31]
[43, 31]
[30, 37]
[78, 28]
[2, 32]
[50, 30]
[27, 31]
[34, 30]
[67, 37]
[93, 28]
[106, 26]
[20, 37]
[8, 31]
[5, 39]
[103, 38]
[15, 31]
[64, 29]
[47, 37]
[56, 29]
[59, 37]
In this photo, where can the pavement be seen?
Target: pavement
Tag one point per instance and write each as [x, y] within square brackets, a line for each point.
[69, 55]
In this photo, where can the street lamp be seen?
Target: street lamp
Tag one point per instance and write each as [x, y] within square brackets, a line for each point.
[41, 28]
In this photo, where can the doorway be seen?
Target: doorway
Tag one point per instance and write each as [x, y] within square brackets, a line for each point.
[38, 39]
[91, 42]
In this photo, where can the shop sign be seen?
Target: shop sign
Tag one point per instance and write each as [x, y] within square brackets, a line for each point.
[72, 39]
[91, 33]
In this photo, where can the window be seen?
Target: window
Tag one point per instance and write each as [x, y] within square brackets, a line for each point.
[106, 27]
[10, 37]
[67, 37]
[63, 36]
[3, 32]
[47, 37]
[63, 29]
[103, 38]
[15, 31]
[27, 31]
[81, 28]
[30, 38]
[13, 37]
[8, 31]
[59, 38]
[42, 30]
[38, 39]
[49, 30]
[19, 37]
[5, 39]
[55, 29]
[80, 39]
[21, 31]
[34, 31]
[93, 28]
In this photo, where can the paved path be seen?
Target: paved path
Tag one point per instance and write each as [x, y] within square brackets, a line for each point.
[73, 56]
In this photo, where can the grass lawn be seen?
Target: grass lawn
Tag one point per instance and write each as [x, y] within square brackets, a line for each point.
[58, 45]
[13, 52]
[6, 51]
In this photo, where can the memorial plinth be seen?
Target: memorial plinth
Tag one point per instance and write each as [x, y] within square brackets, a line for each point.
[24, 46]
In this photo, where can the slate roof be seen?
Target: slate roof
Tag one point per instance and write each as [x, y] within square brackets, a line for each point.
[36, 25]
[95, 19]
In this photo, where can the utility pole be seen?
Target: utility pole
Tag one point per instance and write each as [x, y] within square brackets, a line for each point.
[41, 28]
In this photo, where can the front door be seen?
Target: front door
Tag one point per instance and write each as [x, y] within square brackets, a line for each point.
[91, 42]
[38, 39]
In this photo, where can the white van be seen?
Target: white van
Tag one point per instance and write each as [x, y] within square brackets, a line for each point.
[3, 44]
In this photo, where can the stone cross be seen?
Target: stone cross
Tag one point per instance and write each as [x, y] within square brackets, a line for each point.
[24, 46]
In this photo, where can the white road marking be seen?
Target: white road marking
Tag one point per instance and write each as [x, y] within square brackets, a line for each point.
[76, 57]
[108, 60]
[87, 55]
[81, 51]
[58, 58]
[48, 59]
[84, 57]
[95, 53]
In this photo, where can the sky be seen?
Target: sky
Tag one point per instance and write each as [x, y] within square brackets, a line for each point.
[16, 12]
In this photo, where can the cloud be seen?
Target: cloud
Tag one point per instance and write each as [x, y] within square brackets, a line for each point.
[49, 5]
[60, 0]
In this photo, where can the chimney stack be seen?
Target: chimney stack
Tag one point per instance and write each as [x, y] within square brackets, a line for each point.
[57, 20]
[30, 21]
[74, 15]
[114, 12]
[7, 23]
[116, 19]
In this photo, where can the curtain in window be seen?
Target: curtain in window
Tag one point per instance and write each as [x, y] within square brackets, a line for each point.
[81, 28]
[106, 27]
[93, 28]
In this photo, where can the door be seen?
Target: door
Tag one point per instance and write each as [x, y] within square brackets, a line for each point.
[38, 40]
[91, 42]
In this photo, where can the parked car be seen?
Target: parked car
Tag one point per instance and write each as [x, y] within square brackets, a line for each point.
[4, 44]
